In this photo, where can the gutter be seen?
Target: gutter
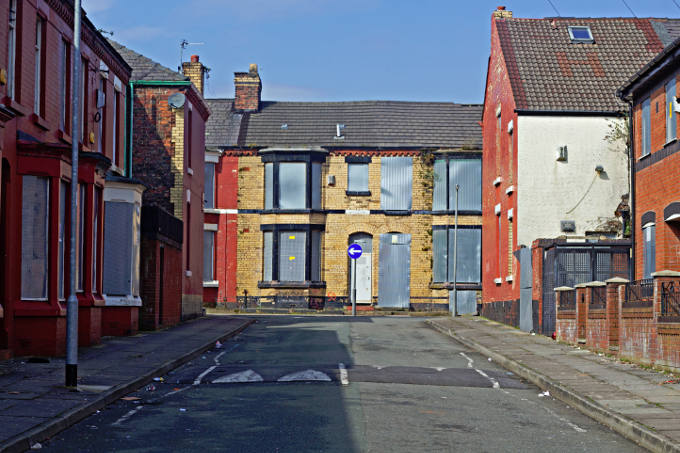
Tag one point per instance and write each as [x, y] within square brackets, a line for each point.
[162, 82]
[631, 196]
[569, 112]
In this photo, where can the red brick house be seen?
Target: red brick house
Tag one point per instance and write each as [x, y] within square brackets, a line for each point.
[552, 169]
[655, 163]
[35, 149]
[168, 116]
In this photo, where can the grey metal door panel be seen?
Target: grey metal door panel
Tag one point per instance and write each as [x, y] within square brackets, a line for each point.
[467, 302]
[394, 270]
[117, 248]
[525, 317]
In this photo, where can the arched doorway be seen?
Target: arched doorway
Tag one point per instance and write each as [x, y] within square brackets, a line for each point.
[363, 267]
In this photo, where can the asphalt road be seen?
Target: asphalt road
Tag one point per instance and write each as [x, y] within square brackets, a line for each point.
[326, 384]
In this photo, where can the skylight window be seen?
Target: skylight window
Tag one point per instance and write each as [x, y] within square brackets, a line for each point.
[580, 34]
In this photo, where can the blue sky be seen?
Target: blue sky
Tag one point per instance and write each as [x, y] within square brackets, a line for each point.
[333, 50]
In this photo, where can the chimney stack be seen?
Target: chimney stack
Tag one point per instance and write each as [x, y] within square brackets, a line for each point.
[502, 13]
[195, 70]
[248, 90]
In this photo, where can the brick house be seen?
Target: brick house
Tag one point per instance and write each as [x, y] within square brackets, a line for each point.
[554, 167]
[36, 55]
[289, 185]
[168, 153]
[655, 164]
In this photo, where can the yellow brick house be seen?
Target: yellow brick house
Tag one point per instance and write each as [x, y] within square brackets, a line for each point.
[290, 185]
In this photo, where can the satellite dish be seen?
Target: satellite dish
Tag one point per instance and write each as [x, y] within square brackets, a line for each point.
[176, 100]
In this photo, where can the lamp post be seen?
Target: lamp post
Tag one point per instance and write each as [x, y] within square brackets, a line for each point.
[454, 312]
[71, 371]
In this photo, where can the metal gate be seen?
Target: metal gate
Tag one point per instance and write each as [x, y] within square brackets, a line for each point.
[525, 282]
[394, 270]
[569, 265]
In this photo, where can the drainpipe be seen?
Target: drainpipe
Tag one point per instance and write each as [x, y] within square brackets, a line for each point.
[631, 193]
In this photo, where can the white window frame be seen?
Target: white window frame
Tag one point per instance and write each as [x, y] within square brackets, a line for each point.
[571, 29]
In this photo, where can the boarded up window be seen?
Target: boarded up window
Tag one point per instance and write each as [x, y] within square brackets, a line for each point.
[440, 190]
[469, 255]
[208, 255]
[316, 185]
[209, 202]
[34, 235]
[315, 263]
[646, 128]
[671, 126]
[80, 255]
[63, 195]
[396, 174]
[118, 247]
[267, 253]
[357, 177]
[649, 250]
[467, 173]
[292, 185]
[439, 255]
[95, 239]
[136, 245]
[269, 186]
[292, 256]
[510, 257]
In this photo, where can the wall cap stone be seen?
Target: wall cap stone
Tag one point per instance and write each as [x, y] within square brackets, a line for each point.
[580, 285]
[617, 280]
[666, 273]
[564, 288]
[595, 284]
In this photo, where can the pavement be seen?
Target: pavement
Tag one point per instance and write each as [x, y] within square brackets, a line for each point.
[35, 404]
[641, 404]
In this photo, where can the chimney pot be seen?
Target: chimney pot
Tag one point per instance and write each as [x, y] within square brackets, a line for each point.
[252, 69]
[194, 58]
[500, 8]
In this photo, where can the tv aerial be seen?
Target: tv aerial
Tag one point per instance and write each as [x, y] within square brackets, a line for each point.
[183, 45]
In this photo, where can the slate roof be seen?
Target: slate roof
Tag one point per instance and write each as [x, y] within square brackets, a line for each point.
[144, 68]
[549, 72]
[382, 124]
[665, 56]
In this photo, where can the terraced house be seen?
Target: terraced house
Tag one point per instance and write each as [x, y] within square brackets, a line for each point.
[289, 185]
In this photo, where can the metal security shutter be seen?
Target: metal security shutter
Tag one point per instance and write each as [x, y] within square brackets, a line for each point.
[467, 173]
[466, 301]
[439, 193]
[469, 255]
[118, 248]
[357, 177]
[208, 255]
[439, 255]
[63, 191]
[316, 186]
[267, 251]
[34, 234]
[210, 185]
[136, 248]
[292, 185]
[396, 175]
[315, 264]
[649, 251]
[269, 186]
[292, 256]
[394, 270]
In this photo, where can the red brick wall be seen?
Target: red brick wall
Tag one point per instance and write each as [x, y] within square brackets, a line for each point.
[155, 312]
[657, 185]
[497, 161]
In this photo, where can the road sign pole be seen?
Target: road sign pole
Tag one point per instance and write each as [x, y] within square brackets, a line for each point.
[354, 287]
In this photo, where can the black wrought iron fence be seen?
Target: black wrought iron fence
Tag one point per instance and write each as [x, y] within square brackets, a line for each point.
[291, 301]
[598, 297]
[640, 293]
[670, 302]
[568, 300]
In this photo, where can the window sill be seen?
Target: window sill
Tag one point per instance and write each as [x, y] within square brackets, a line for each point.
[292, 285]
[360, 193]
[15, 106]
[460, 212]
[39, 121]
[460, 286]
[510, 190]
[211, 284]
[670, 142]
[509, 278]
[190, 171]
[644, 156]
[64, 137]
[498, 280]
[293, 211]
[187, 273]
[397, 213]
[497, 181]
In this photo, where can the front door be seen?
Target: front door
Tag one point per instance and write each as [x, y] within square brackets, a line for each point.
[395, 265]
[362, 266]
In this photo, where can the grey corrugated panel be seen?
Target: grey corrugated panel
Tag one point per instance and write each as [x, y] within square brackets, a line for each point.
[267, 254]
[469, 251]
[394, 270]
[292, 256]
[396, 180]
[208, 255]
[34, 231]
[117, 248]
[439, 255]
[467, 173]
[466, 301]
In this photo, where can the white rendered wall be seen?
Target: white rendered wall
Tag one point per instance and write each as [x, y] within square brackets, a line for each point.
[548, 189]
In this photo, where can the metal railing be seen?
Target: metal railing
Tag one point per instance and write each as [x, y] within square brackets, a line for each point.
[598, 297]
[670, 302]
[640, 293]
[288, 302]
[568, 300]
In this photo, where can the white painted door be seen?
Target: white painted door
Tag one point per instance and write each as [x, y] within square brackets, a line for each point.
[363, 267]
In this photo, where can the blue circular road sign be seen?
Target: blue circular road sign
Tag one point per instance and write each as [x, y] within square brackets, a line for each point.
[354, 251]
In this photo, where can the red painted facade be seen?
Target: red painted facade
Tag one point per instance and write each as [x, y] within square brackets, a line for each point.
[226, 237]
[37, 143]
[656, 175]
[499, 170]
